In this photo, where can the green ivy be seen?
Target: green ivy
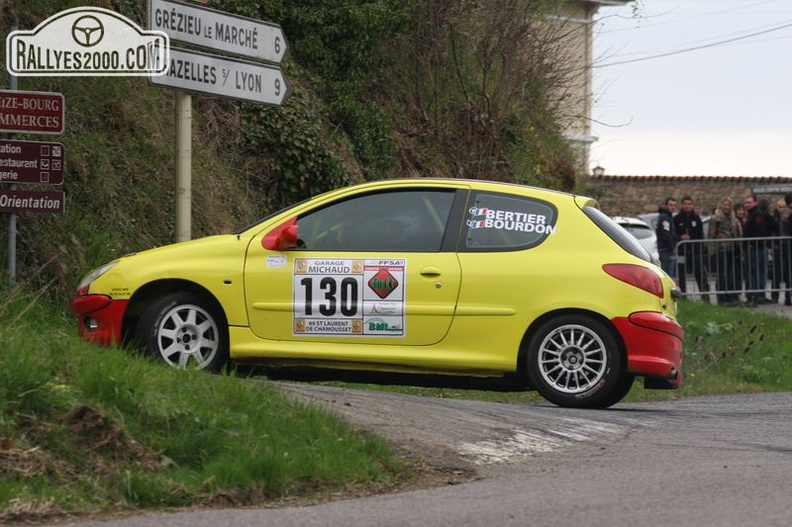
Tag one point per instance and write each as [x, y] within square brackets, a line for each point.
[340, 44]
[292, 137]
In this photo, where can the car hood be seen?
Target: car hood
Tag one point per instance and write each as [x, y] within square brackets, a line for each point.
[212, 258]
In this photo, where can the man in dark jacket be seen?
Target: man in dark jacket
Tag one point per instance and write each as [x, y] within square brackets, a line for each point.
[780, 267]
[757, 225]
[689, 227]
[666, 236]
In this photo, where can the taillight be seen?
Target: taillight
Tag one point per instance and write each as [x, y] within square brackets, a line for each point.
[637, 276]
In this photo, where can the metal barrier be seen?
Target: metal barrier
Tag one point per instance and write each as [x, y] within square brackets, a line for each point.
[732, 271]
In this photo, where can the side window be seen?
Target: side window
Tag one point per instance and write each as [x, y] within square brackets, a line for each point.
[404, 221]
[498, 222]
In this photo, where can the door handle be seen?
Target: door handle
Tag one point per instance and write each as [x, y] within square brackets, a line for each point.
[430, 271]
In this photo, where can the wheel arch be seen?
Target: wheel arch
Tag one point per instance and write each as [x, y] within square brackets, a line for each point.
[522, 355]
[159, 288]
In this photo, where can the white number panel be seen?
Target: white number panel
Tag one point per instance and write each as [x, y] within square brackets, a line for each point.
[349, 297]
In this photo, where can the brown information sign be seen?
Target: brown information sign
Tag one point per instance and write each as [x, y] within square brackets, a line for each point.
[32, 201]
[31, 112]
[37, 162]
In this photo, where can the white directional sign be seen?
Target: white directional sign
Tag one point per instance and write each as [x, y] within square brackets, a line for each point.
[217, 30]
[214, 75]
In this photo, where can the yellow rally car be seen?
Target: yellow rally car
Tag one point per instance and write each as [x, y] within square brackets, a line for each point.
[427, 276]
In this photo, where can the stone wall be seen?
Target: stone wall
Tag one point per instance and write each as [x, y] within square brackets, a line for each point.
[632, 195]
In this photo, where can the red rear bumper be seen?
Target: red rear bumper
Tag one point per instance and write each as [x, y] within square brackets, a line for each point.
[654, 346]
[99, 318]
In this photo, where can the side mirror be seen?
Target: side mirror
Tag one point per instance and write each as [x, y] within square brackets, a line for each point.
[281, 237]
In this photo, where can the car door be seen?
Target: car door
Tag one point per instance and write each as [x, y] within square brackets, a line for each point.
[371, 268]
[510, 277]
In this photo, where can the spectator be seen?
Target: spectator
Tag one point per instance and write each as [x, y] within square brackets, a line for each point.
[772, 230]
[757, 227]
[781, 251]
[739, 247]
[666, 237]
[688, 226]
[741, 214]
[725, 225]
[785, 228]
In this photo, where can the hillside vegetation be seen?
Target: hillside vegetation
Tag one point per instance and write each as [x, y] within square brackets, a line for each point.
[381, 89]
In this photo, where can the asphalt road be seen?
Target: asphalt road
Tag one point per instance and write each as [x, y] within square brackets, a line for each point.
[712, 461]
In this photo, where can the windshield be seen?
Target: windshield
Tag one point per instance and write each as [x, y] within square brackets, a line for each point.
[268, 216]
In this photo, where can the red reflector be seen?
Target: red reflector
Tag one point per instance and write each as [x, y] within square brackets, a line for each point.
[637, 276]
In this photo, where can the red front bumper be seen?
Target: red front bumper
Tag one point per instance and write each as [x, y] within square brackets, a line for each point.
[654, 345]
[99, 318]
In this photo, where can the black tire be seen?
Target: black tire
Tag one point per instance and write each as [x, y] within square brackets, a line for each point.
[574, 361]
[184, 331]
[619, 392]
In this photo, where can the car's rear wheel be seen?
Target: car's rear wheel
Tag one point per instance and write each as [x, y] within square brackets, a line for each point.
[185, 331]
[574, 361]
[619, 391]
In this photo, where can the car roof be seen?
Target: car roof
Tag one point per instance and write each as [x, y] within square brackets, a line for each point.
[479, 184]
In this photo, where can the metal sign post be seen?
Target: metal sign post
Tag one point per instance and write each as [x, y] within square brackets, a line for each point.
[225, 76]
[12, 218]
[183, 165]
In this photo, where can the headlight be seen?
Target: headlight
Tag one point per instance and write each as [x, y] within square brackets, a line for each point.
[93, 275]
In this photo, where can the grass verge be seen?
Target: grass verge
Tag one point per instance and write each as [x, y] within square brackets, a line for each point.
[89, 430]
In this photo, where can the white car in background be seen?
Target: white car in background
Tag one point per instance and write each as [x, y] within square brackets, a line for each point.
[651, 219]
[642, 231]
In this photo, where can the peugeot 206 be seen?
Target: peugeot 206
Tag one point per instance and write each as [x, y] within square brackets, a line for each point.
[455, 277]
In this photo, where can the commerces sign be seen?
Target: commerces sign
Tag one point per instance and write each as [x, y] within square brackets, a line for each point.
[31, 112]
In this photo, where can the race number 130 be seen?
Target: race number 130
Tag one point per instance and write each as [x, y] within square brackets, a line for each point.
[328, 296]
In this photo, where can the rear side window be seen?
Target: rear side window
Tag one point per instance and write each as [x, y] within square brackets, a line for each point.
[617, 233]
[502, 222]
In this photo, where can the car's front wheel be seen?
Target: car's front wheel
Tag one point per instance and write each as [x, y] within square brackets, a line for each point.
[574, 361]
[185, 331]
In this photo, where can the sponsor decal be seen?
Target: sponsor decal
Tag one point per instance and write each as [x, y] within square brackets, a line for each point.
[485, 218]
[380, 324]
[383, 283]
[349, 297]
[276, 261]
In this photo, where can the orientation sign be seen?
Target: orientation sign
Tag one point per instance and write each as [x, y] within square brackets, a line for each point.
[32, 201]
[31, 112]
[31, 162]
[218, 31]
[214, 75]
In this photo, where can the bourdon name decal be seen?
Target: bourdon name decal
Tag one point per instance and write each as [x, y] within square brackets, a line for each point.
[349, 297]
[509, 221]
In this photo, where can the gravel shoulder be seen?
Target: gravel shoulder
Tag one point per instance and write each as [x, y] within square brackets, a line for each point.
[465, 438]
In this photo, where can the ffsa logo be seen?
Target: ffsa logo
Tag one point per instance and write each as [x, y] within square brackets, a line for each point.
[87, 41]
